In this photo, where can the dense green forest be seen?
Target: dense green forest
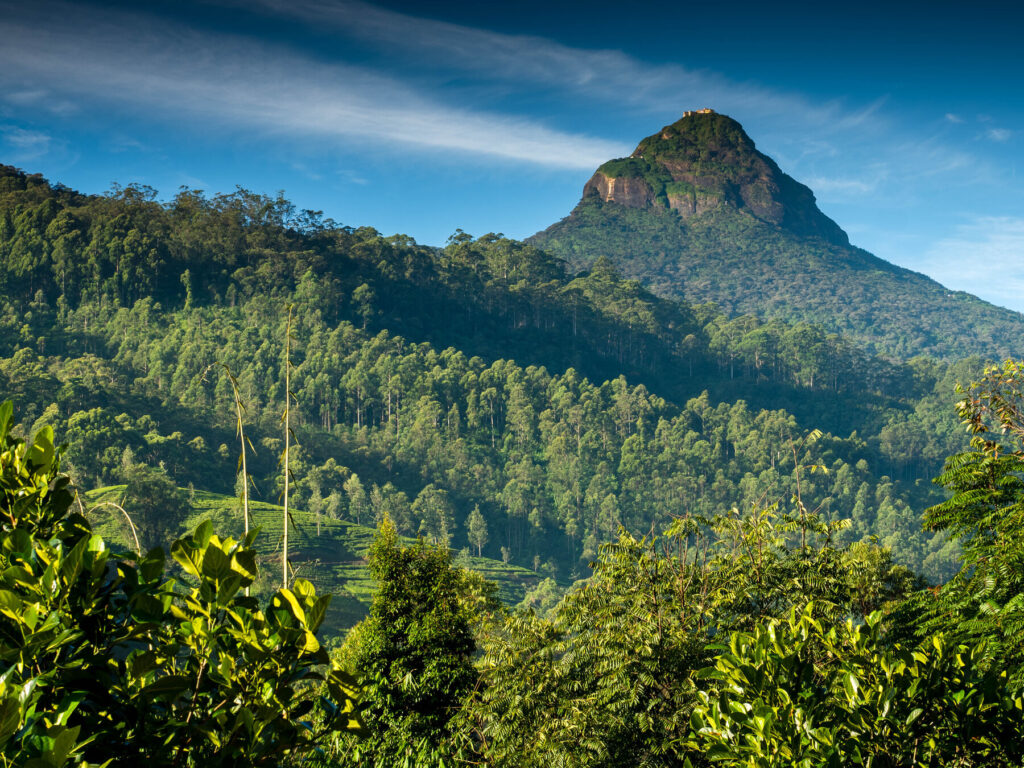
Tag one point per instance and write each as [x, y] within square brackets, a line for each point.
[740, 639]
[714, 538]
[433, 385]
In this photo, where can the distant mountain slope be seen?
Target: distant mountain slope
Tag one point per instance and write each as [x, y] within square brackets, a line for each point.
[698, 213]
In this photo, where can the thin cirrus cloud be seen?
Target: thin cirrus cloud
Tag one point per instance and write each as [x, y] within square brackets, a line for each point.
[995, 241]
[600, 74]
[841, 186]
[131, 63]
[22, 145]
[146, 65]
[141, 64]
[868, 182]
[41, 99]
[792, 127]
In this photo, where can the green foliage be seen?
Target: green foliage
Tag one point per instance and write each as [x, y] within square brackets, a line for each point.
[734, 645]
[333, 560]
[796, 694]
[985, 515]
[529, 447]
[543, 598]
[606, 387]
[480, 394]
[610, 679]
[476, 530]
[724, 224]
[105, 659]
[875, 583]
[156, 505]
[414, 654]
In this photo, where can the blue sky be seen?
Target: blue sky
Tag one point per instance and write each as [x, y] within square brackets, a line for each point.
[418, 118]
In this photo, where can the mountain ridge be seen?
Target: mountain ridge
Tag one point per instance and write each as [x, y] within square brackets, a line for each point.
[698, 213]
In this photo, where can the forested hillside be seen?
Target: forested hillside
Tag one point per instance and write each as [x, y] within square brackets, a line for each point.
[705, 522]
[697, 213]
[739, 639]
[478, 394]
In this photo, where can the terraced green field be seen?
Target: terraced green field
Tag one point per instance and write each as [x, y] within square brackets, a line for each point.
[333, 559]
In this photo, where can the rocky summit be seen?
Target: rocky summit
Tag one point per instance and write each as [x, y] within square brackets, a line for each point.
[705, 161]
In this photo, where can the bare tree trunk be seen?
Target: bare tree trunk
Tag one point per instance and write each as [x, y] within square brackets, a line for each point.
[287, 440]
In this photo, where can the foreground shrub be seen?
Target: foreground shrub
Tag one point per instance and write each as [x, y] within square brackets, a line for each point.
[106, 660]
[794, 693]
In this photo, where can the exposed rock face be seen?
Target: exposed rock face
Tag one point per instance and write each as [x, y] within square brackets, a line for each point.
[631, 192]
[692, 202]
[705, 161]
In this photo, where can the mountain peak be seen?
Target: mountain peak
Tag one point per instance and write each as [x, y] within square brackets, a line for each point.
[704, 162]
[697, 213]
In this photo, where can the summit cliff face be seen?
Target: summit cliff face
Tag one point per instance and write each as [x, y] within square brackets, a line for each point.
[698, 213]
[706, 161]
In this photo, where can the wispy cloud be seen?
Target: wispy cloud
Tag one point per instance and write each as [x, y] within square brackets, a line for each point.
[983, 257]
[998, 134]
[193, 182]
[121, 143]
[144, 66]
[868, 182]
[605, 74]
[39, 99]
[349, 176]
[131, 60]
[824, 185]
[801, 132]
[21, 145]
[58, 50]
[953, 118]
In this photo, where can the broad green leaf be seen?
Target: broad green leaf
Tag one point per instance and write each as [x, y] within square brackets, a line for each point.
[203, 533]
[187, 556]
[6, 418]
[285, 599]
[41, 453]
[169, 685]
[216, 565]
